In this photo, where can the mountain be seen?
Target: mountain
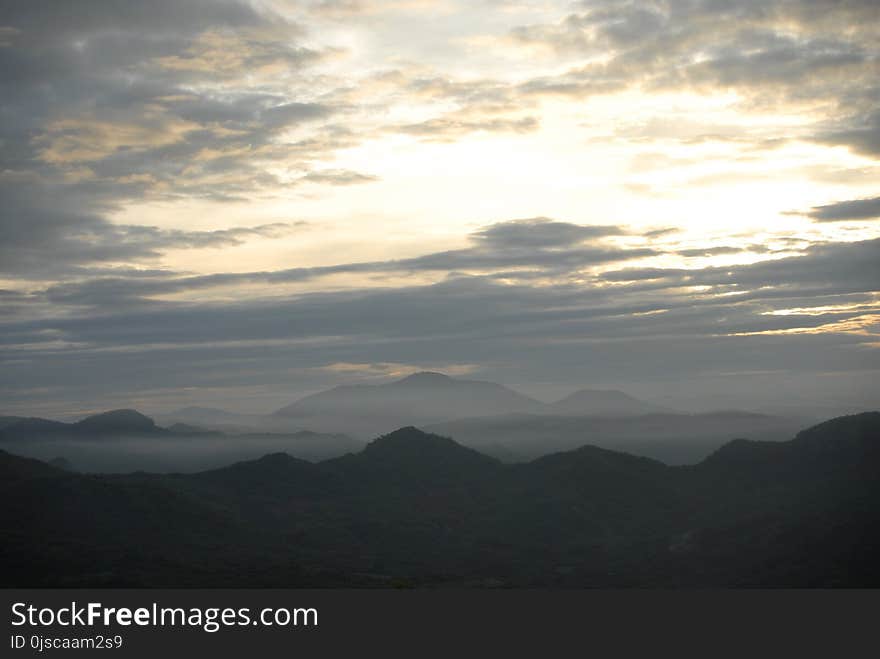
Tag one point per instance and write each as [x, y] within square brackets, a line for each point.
[417, 459]
[671, 438]
[126, 440]
[6, 421]
[117, 422]
[367, 410]
[417, 508]
[601, 402]
[113, 423]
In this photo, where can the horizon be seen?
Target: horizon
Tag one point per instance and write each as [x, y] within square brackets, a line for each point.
[550, 402]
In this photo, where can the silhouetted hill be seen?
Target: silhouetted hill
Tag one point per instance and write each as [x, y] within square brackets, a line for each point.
[14, 468]
[420, 507]
[598, 402]
[854, 436]
[417, 459]
[849, 440]
[61, 463]
[410, 447]
[368, 410]
[117, 422]
[6, 421]
[671, 438]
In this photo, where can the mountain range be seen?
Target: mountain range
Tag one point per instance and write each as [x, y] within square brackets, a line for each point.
[367, 410]
[483, 415]
[427, 397]
[126, 440]
[415, 508]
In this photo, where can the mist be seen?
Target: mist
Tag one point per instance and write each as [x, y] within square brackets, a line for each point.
[176, 454]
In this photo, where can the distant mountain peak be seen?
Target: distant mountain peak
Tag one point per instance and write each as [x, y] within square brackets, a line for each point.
[425, 377]
[603, 401]
[368, 410]
[124, 420]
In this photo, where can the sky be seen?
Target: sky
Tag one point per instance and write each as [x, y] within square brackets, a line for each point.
[235, 203]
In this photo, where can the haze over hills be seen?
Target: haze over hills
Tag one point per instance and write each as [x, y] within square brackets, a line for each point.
[671, 438]
[126, 440]
[425, 398]
[603, 402]
[114, 423]
[366, 410]
[212, 418]
[486, 416]
[417, 508]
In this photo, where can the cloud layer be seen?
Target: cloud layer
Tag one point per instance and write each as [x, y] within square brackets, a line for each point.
[209, 196]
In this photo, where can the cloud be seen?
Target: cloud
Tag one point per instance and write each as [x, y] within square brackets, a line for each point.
[855, 209]
[451, 128]
[536, 245]
[823, 269]
[189, 98]
[860, 132]
[542, 233]
[47, 233]
[338, 177]
[773, 53]
[798, 314]
[108, 104]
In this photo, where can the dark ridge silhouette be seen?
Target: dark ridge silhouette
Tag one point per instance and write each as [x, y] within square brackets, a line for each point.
[6, 421]
[411, 446]
[61, 463]
[14, 468]
[671, 438]
[855, 435]
[419, 508]
[118, 422]
[415, 459]
[114, 422]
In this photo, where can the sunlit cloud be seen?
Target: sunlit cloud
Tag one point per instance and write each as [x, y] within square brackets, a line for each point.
[373, 188]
